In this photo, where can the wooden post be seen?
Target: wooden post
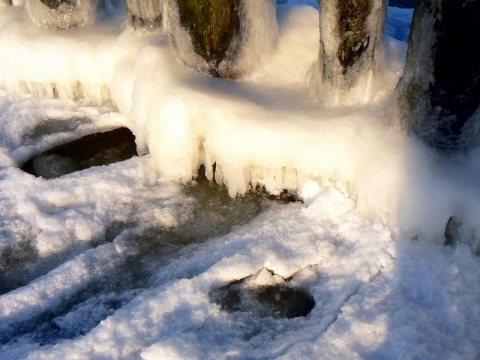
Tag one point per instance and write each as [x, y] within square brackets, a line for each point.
[351, 51]
[144, 14]
[438, 96]
[212, 35]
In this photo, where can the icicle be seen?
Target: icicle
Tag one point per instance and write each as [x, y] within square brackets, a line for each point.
[438, 95]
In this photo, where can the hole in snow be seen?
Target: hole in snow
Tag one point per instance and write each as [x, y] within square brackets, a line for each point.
[91, 150]
[265, 295]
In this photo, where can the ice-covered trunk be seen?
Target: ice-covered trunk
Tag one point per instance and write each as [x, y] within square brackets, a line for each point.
[351, 51]
[438, 95]
[144, 14]
[62, 14]
[222, 38]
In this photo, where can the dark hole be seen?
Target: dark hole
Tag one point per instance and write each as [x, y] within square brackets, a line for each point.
[277, 301]
[285, 301]
[91, 150]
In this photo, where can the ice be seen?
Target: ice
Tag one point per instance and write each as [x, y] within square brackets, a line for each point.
[120, 261]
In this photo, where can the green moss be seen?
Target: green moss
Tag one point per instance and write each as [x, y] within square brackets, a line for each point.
[212, 24]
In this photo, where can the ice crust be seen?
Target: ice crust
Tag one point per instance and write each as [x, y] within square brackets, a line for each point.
[367, 191]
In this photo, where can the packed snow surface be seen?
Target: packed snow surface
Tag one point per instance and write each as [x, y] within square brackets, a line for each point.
[118, 261]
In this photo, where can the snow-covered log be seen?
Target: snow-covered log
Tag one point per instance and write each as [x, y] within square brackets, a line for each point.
[62, 14]
[144, 14]
[438, 95]
[223, 38]
[351, 51]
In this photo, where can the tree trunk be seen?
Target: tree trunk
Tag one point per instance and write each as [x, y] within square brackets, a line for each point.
[144, 14]
[62, 14]
[438, 96]
[351, 50]
[213, 36]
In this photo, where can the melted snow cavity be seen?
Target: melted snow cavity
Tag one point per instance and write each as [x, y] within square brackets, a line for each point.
[133, 259]
[91, 150]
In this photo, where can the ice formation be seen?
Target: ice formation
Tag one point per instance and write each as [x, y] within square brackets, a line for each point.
[245, 129]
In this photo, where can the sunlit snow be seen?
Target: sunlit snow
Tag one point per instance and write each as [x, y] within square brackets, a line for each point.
[119, 261]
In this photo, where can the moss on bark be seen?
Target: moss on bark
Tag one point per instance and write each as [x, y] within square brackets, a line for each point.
[353, 32]
[212, 25]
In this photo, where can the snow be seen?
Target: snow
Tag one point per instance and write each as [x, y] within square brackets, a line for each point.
[118, 261]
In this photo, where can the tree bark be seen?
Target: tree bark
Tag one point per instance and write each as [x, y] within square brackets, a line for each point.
[212, 35]
[144, 14]
[438, 96]
[351, 50]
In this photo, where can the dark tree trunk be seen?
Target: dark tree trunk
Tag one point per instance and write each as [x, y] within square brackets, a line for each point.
[351, 49]
[438, 96]
[62, 14]
[144, 14]
[210, 35]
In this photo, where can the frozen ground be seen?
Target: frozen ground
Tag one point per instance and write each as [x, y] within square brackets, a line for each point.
[120, 261]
